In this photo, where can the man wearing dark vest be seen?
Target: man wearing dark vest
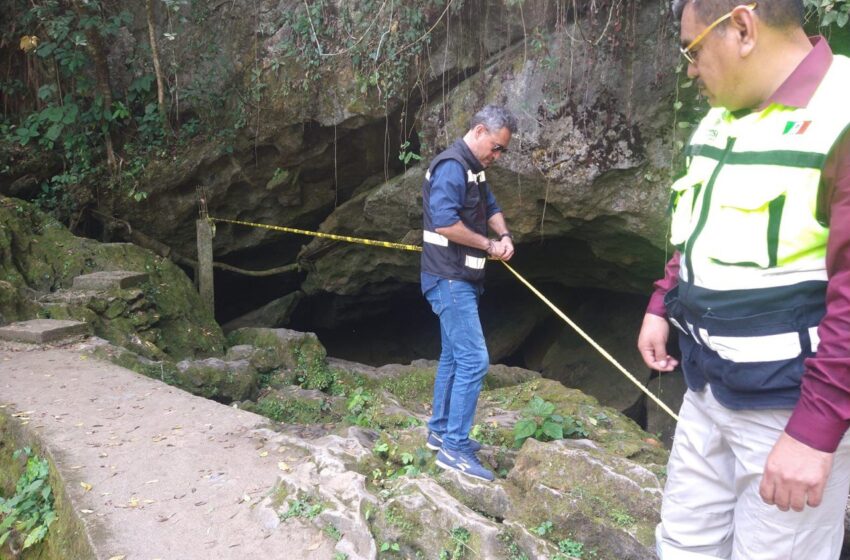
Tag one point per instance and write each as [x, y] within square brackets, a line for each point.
[457, 208]
[758, 292]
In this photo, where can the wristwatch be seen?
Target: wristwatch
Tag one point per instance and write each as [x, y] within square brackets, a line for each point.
[506, 234]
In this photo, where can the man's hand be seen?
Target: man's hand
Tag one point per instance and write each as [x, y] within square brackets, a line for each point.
[502, 249]
[652, 343]
[794, 475]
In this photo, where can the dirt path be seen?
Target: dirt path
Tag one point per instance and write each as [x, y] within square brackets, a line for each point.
[171, 475]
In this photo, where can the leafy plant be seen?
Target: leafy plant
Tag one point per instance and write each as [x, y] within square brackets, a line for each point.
[359, 406]
[460, 540]
[302, 507]
[332, 532]
[829, 12]
[27, 515]
[570, 548]
[315, 374]
[406, 155]
[543, 529]
[539, 421]
[390, 547]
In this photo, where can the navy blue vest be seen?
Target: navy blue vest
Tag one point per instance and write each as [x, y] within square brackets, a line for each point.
[440, 256]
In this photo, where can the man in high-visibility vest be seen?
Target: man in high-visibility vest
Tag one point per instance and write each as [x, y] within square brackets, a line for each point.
[457, 209]
[758, 292]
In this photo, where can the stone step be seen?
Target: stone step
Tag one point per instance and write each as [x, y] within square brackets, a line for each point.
[109, 279]
[41, 331]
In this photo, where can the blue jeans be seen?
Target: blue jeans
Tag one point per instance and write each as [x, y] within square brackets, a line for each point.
[463, 361]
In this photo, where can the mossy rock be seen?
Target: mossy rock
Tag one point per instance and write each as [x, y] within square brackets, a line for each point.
[293, 405]
[38, 255]
[66, 537]
[216, 379]
[279, 348]
[606, 426]
[609, 504]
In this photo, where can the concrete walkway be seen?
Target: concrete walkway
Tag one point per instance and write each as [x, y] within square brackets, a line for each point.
[152, 471]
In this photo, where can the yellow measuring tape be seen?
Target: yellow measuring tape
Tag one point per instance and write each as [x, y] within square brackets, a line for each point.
[406, 247]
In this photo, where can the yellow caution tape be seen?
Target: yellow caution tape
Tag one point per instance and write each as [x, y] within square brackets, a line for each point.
[360, 240]
[593, 343]
[406, 247]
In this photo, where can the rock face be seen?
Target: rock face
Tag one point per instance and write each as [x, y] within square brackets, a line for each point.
[377, 486]
[39, 260]
[313, 117]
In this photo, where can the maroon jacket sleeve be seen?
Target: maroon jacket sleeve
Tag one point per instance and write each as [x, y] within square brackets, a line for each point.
[822, 414]
[670, 280]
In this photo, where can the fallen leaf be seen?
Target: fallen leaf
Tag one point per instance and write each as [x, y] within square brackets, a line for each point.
[121, 557]
[134, 502]
[86, 486]
[150, 501]
[246, 498]
[264, 454]
[315, 545]
[86, 511]
[154, 481]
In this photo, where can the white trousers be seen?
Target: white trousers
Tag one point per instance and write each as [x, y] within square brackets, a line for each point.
[711, 507]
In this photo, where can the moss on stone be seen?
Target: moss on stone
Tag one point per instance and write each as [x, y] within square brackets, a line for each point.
[39, 256]
[608, 427]
[66, 536]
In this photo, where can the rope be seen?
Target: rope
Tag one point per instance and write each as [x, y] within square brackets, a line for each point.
[593, 343]
[535, 291]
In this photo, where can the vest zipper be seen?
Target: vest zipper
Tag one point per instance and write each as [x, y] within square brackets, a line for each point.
[703, 216]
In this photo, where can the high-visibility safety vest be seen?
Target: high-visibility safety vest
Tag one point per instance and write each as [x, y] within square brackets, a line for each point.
[752, 279]
[440, 256]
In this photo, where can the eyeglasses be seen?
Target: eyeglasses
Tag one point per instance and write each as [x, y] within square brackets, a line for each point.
[688, 52]
[498, 148]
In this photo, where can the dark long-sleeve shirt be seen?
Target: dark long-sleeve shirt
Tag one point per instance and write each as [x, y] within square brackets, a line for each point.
[822, 414]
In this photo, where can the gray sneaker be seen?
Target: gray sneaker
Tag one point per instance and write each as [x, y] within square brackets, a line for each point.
[465, 463]
[435, 443]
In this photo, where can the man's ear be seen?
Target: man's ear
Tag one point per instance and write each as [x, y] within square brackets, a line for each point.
[743, 24]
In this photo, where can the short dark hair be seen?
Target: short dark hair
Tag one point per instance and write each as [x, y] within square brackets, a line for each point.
[494, 118]
[775, 13]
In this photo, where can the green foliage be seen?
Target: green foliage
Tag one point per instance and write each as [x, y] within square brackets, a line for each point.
[314, 373]
[360, 407]
[406, 155]
[622, 518]
[304, 507]
[60, 109]
[514, 552]
[332, 532]
[571, 548]
[390, 547]
[540, 422]
[829, 12]
[291, 411]
[340, 556]
[459, 546]
[27, 515]
[543, 529]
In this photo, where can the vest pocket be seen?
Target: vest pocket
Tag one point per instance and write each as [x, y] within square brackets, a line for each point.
[745, 228]
[683, 198]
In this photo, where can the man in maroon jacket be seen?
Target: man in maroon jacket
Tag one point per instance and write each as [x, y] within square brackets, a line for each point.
[758, 292]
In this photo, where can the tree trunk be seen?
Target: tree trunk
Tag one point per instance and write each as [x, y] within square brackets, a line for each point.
[97, 50]
[160, 82]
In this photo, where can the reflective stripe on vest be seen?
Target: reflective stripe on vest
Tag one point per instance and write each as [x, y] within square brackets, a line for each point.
[471, 177]
[745, 213]
[435, 238]
[475, 262]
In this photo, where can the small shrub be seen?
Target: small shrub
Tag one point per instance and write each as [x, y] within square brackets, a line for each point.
[27, 515]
